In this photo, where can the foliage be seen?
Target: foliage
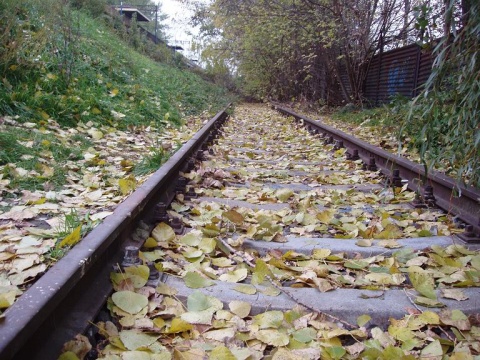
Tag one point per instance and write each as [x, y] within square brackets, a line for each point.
[313, 50]
[24, 150]
[152, 161]
[57, 183]
[95, 8]
[225, 248]
[445, 115]
[60, 63]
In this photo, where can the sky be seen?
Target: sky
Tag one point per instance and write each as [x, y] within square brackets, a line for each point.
[178, 18]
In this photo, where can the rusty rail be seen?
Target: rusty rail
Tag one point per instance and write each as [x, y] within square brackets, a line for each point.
[461, 201]
[62, 302]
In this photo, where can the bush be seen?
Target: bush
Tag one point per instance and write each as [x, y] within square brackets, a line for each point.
[95, 8]
[445, 115]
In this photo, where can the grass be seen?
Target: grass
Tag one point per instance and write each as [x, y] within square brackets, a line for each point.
[151, 162]
[72, 221]
[37, 153]
[88, 72]
[62, 64]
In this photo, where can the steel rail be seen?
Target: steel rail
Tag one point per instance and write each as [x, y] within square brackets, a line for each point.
[63, 301]
[459, 200]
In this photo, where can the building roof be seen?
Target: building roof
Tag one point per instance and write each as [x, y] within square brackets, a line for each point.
[130, 10]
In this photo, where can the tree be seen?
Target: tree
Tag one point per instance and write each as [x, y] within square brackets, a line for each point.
[312, 49]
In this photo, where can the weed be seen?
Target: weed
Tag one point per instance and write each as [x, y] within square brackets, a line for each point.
[152, 161]
[55, 253]
[70, 223]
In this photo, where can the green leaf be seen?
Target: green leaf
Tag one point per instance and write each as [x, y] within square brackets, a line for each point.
[364, 242]
[69, 355]
[272, 337]
[362, 320]
[165, 289]
[456, 294]
[208, 245]
[240, 308]
[455, 318]
[269, 319]
[195, 281]
[427, 302]
[336, 352]
[163, 233]
[221, 353]
[423, 282]
[129, 301]
[270, 291]
[356, 264]
[305, 335]
[190, 239]
[246, 289]
[432, 351]
[284, 194]
[197, 301]
[133, 339]
[138, 275]
[234, 276]
[259, 272]
[320, 254]
[203, 317]
[326, 216]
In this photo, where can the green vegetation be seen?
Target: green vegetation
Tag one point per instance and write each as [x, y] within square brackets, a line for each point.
[63, 64]
[442, 123]
[152, 161]
[40, 154]
[445, 116]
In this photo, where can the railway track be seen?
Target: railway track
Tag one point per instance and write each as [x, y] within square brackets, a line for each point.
[247, 213]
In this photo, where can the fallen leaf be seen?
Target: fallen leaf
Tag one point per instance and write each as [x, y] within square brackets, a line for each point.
[196, 281]
[129, 301]
[73, 238]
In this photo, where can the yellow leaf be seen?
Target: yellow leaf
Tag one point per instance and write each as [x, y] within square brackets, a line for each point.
[150, 243]
[159, 322]
[47, 171]
[233, 216]
[163, 232]
[127, 185]
[52, 76]
[13, 67]
[96, 111]
[44, 115]
[37, 202]
[114, 92]
[221, 353]
[95, 134]
[246, 289]
[7, 299]
[73, 238]
[325, 216]
[178, 325]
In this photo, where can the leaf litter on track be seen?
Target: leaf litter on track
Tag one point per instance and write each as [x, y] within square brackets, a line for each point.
[214, 250]
[38, 226]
